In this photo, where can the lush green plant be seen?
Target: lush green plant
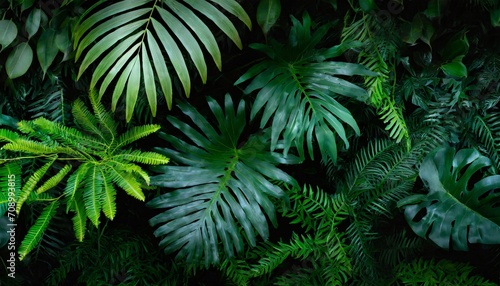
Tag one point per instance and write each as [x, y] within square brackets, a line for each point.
[298, 88]
[101, 159]
[145, 30]
[396, 81]
[222, 188]
[458, 210]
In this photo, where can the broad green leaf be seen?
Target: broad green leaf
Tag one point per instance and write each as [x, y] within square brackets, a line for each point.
[495, 17]
[460, 207]
[33, 22]
[46, 49]
[456, 69]
[222, 191]
[268, 12]
[412, 31]
[457, 46]
[19, 60]
[367, 5]
[8, 32]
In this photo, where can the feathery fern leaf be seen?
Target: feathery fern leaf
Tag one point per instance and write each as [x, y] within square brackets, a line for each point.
[297, 89]
[221, 194]
[97, 150]
[487, 130]
[10, 178]
[144, 31]
[377, 51]
[36, 231]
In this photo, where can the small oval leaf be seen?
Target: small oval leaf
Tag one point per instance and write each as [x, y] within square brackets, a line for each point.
[8, 32]
[46, 49]
[33, 22]
[19, 60]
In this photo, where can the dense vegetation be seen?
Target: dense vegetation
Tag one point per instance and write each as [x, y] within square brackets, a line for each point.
[260, 142]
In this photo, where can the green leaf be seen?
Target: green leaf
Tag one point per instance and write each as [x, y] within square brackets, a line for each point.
[92, 193]
[52, 182]
[36, 231]
[33, 22]
[412, 31]
[19, 60]
[495, 17]
[458, 210]
[367, 5]
[80, 219]
[268, 12]
[222, 191]
[8, 33]
[455, 69]
[46, 49]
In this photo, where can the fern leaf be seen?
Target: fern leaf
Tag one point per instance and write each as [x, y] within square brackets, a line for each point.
[92, 194]
[130, 168]
[108, 198]
[10, 177]
[36, 231]
[80, 218]
[150, 158]
[106, 122]
[30, 185]
[52, 182]
[86, 120]
[127, 182]
[8, 136]
[75, 182]
[134, 134]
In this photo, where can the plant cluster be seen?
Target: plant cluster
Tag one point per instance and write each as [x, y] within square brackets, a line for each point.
[347, 142]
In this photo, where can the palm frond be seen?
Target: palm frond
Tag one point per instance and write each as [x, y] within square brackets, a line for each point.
[145, 31]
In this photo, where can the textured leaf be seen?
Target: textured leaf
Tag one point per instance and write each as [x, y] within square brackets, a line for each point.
[458, 210]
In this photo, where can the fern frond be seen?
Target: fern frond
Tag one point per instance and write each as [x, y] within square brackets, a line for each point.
[75, 181]
[30, 185]
[10, 177]
[487, 130]
[108, 197]
[86, 120]
[8, 136]
[134, 134]
[150, 158]
[107, 124]
[69, 136]
[126, 181]
[92, 192]
[52, 182]
[36, 231]
[80, 218]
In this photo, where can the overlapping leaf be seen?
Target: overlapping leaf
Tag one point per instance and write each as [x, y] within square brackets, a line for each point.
[298, 88]
[133, 39]
[458, 210]
[222, 192]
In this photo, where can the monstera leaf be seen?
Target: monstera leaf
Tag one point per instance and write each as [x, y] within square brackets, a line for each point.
[223, 187]
[458, 209]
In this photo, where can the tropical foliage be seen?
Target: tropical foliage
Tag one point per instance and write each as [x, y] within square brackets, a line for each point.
[259, 142]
